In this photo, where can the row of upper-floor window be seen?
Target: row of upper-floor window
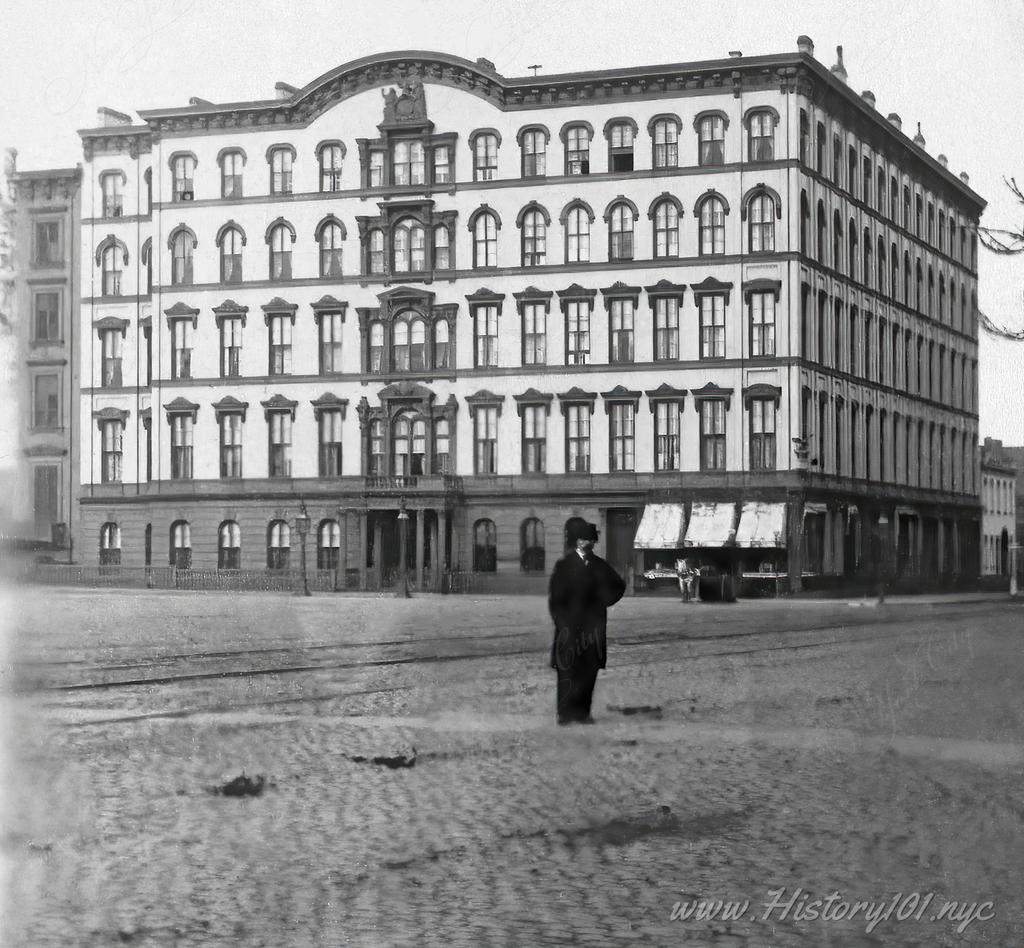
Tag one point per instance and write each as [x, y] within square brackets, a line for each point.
[410, 443]
[869, 262]
[853, 439]
[414, 341]
[998, 495]
[842, 336]
[423, 161]
[412, 245]
[890, 194]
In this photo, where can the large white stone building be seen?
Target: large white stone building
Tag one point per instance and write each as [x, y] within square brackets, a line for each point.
[998, 509]
[723, 306]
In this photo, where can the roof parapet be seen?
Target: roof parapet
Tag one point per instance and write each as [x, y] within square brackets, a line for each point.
[111, 118]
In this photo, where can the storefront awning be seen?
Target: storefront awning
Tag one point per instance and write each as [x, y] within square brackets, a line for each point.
[661, 527]
[711, 525]
[762, 525]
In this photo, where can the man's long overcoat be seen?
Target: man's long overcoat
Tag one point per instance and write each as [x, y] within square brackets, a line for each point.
[578, 598]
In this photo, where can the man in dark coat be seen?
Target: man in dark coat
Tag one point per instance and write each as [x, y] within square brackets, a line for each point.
[582, 588]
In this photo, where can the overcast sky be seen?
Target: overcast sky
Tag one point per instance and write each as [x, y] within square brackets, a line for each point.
[955, 67]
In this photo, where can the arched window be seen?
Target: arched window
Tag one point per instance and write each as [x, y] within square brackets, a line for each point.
[577, 149]
[232, 161]
[822, 232]
[712, 227]
[183, 169]
[409, 247]
[280, 252]
[229, 546]
[408, 335]
[376, 251]
[330, 167]
[666, 229]
[331, 240]
[531, 546]
[231, 243]
[880, 264]
[181, 253]
[111, 263]
[110, 544]
[805, 222]
[942, 297]
[866, 279]
[407, 166]
[376, 347]
[375, 454]
[851, 247]
[328, 545]
[485, 547]
[281, 169]
[534, 239]
[442, 248]
[485, 156]
[665, 135]
[620, 146]
[761, 211]
[485, 240]
[442, 446]
[279, 541]
[534, 143]
[408, 445]
[711, 140]
[761, 136]
[442, 357]
[577, 235]
[931, 292]
[620, 233]
[181, 545]
[880, 189]
[894, 271]
[113, 198]
[837, 240]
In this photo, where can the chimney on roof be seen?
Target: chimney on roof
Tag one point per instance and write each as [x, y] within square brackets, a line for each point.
[896, 121]
[282, 90]
[919, 138]
[943, 160]
[839, 70]
[735, 54]
[965, 177]
[10, 161]
[805, 44]
[109, 118]
[195, 100]
[486, 65]
[868, 96]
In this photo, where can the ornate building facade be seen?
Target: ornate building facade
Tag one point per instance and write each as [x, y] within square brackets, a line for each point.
[43, 307]
[999, 508]
[725, 307]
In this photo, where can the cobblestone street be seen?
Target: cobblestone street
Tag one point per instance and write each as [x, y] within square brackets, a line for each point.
[810, 747]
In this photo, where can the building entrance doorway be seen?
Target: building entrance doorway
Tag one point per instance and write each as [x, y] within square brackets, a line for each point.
[622, 524]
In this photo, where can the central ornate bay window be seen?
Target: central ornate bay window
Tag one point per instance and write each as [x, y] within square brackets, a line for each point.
[577, 304]
[577, 406]
[620, 217]
[620, 405]
[181, 416]
[620, 301]
[329, 156]
[329, 316]
[330, 237]
[111, 331]
[329, 411]
[398, 436]
[533, 306]
[408, 154]
[666, 299]
[762, 403]
[408, 237]
[667, 406]
[280, 414]
[712, 404]
[711, 297]
[533, 143]
[484, 411]
[279, 317]
[182, 321]
[761, 297]
[230, 319]
[407, 333]
[230, 241]
[533, 408]
[230, 414]
[279, 237]
[485, 308]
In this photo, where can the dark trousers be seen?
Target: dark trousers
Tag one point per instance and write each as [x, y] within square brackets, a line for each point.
[576, 691]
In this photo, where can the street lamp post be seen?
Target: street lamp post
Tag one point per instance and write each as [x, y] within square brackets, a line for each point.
[302, 527]
[403, 582]
[1015, 549]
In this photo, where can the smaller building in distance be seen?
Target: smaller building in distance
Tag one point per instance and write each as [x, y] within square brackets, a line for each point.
[999, 508]
[42, 291]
